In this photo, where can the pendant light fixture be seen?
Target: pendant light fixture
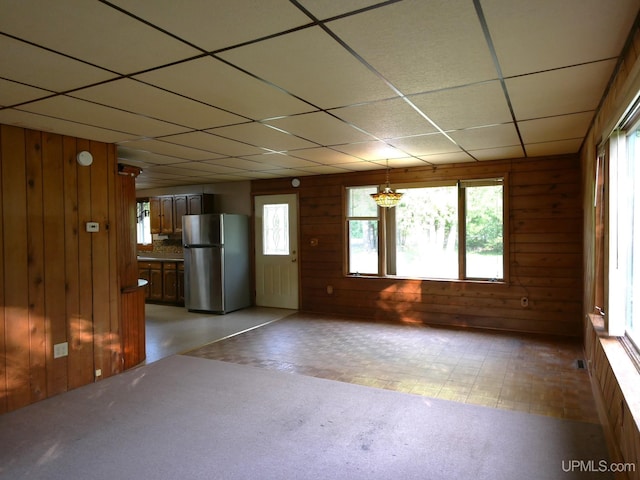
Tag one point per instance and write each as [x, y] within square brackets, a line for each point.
[387, 198]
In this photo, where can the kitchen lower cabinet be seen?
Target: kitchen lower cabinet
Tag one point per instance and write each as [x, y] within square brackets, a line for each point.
[166, 281]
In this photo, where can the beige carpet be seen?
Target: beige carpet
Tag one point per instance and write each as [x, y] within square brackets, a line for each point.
[191, 418]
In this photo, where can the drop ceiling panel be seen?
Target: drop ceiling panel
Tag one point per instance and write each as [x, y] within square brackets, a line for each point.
[498, 153]
[134, 96]
[421, 46]
[554, 148]
[545, 34]
[213, 143]
[93, 32]
[470, 106]
[204, 167]
[40, 68]
[148, 158]
[242, 164]
[44, 123]
[169, 149]
[313, 66]
[281, 160]
[370, 150]
[262, 136]
[386, 119]
[12, 93]
[451, 157]
[486, 137]
[420, 145]
[215, 83]
[321, 128]
[565, 127]
[100, 116]
[556, 92]
[225, 23]
[323, 9]
[326, 156]
[324, 170]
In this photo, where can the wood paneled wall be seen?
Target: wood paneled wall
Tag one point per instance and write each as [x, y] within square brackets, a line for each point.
[58, 283]
[621, 428]
[545, 245]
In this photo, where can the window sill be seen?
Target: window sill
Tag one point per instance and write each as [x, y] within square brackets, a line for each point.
[623, 367]
[422, 279]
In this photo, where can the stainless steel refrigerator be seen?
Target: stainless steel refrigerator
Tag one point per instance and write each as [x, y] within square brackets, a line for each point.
[216, 262]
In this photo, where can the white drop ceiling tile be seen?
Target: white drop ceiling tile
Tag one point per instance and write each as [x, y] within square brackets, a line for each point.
[262, 136]
[204, 167]
[171, 170]
[323, 9]
[401, 162]
[421, 46]
[213, 143]
[320, 127]
[371, 150]
[557, 92]
[280, 160]
[288, 172]
[565, 127]
[215, 83]
[487, 137]
[170, 150]
[88, 113]
[310, 64]
[93, 32]
[241, 164]
[554, 148]
[361, 166]
[257, 175]
[444, 158]
[139, 97]
[12, 93]
[498, 153]
[40, 68]
[225, 23]
[545, 34]
[425, 144]
[217, 168]
[147, 157]
[324, 170]
[386, 119]
[325, 156]
[463, 107]
[45, 123]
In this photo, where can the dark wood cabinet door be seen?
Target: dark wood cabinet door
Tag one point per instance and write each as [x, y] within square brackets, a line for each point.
[166, 207]
[180, 208]
[155, 214]
[170, 286]
[145, 274]
[195, 204]
[155, 284]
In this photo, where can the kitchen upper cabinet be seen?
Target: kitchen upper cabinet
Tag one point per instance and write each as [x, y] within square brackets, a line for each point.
[161, 214]
[167, 211]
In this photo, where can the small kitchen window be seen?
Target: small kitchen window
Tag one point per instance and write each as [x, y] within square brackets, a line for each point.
[143, 219]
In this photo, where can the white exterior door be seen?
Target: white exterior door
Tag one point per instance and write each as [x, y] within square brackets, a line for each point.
[276, 218]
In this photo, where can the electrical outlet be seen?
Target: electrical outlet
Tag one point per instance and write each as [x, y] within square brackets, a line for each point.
[60, 350]
[98, 372]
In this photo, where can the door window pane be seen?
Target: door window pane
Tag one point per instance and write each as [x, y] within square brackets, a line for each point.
[427, 233]
[484, 232]
[275, 229]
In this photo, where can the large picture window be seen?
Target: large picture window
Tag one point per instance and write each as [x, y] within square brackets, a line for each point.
[449, 230]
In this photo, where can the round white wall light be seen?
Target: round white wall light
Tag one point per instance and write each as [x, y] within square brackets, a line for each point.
[84, 158]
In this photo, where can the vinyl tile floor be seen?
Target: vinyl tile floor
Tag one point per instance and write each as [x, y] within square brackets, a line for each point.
[528, 373]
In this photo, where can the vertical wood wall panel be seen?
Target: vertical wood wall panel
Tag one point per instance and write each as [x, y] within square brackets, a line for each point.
[16, 281]
[55, 275]
[3, 352]
[35, 245]
[58, 283]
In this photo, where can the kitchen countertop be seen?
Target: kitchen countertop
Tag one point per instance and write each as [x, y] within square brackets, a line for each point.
[148, 258]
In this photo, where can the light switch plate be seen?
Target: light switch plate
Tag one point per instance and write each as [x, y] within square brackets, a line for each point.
[93, 227]
[60, 350]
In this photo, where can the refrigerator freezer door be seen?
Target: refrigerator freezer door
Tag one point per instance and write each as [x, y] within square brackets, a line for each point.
[204, 288]
[202, 229]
